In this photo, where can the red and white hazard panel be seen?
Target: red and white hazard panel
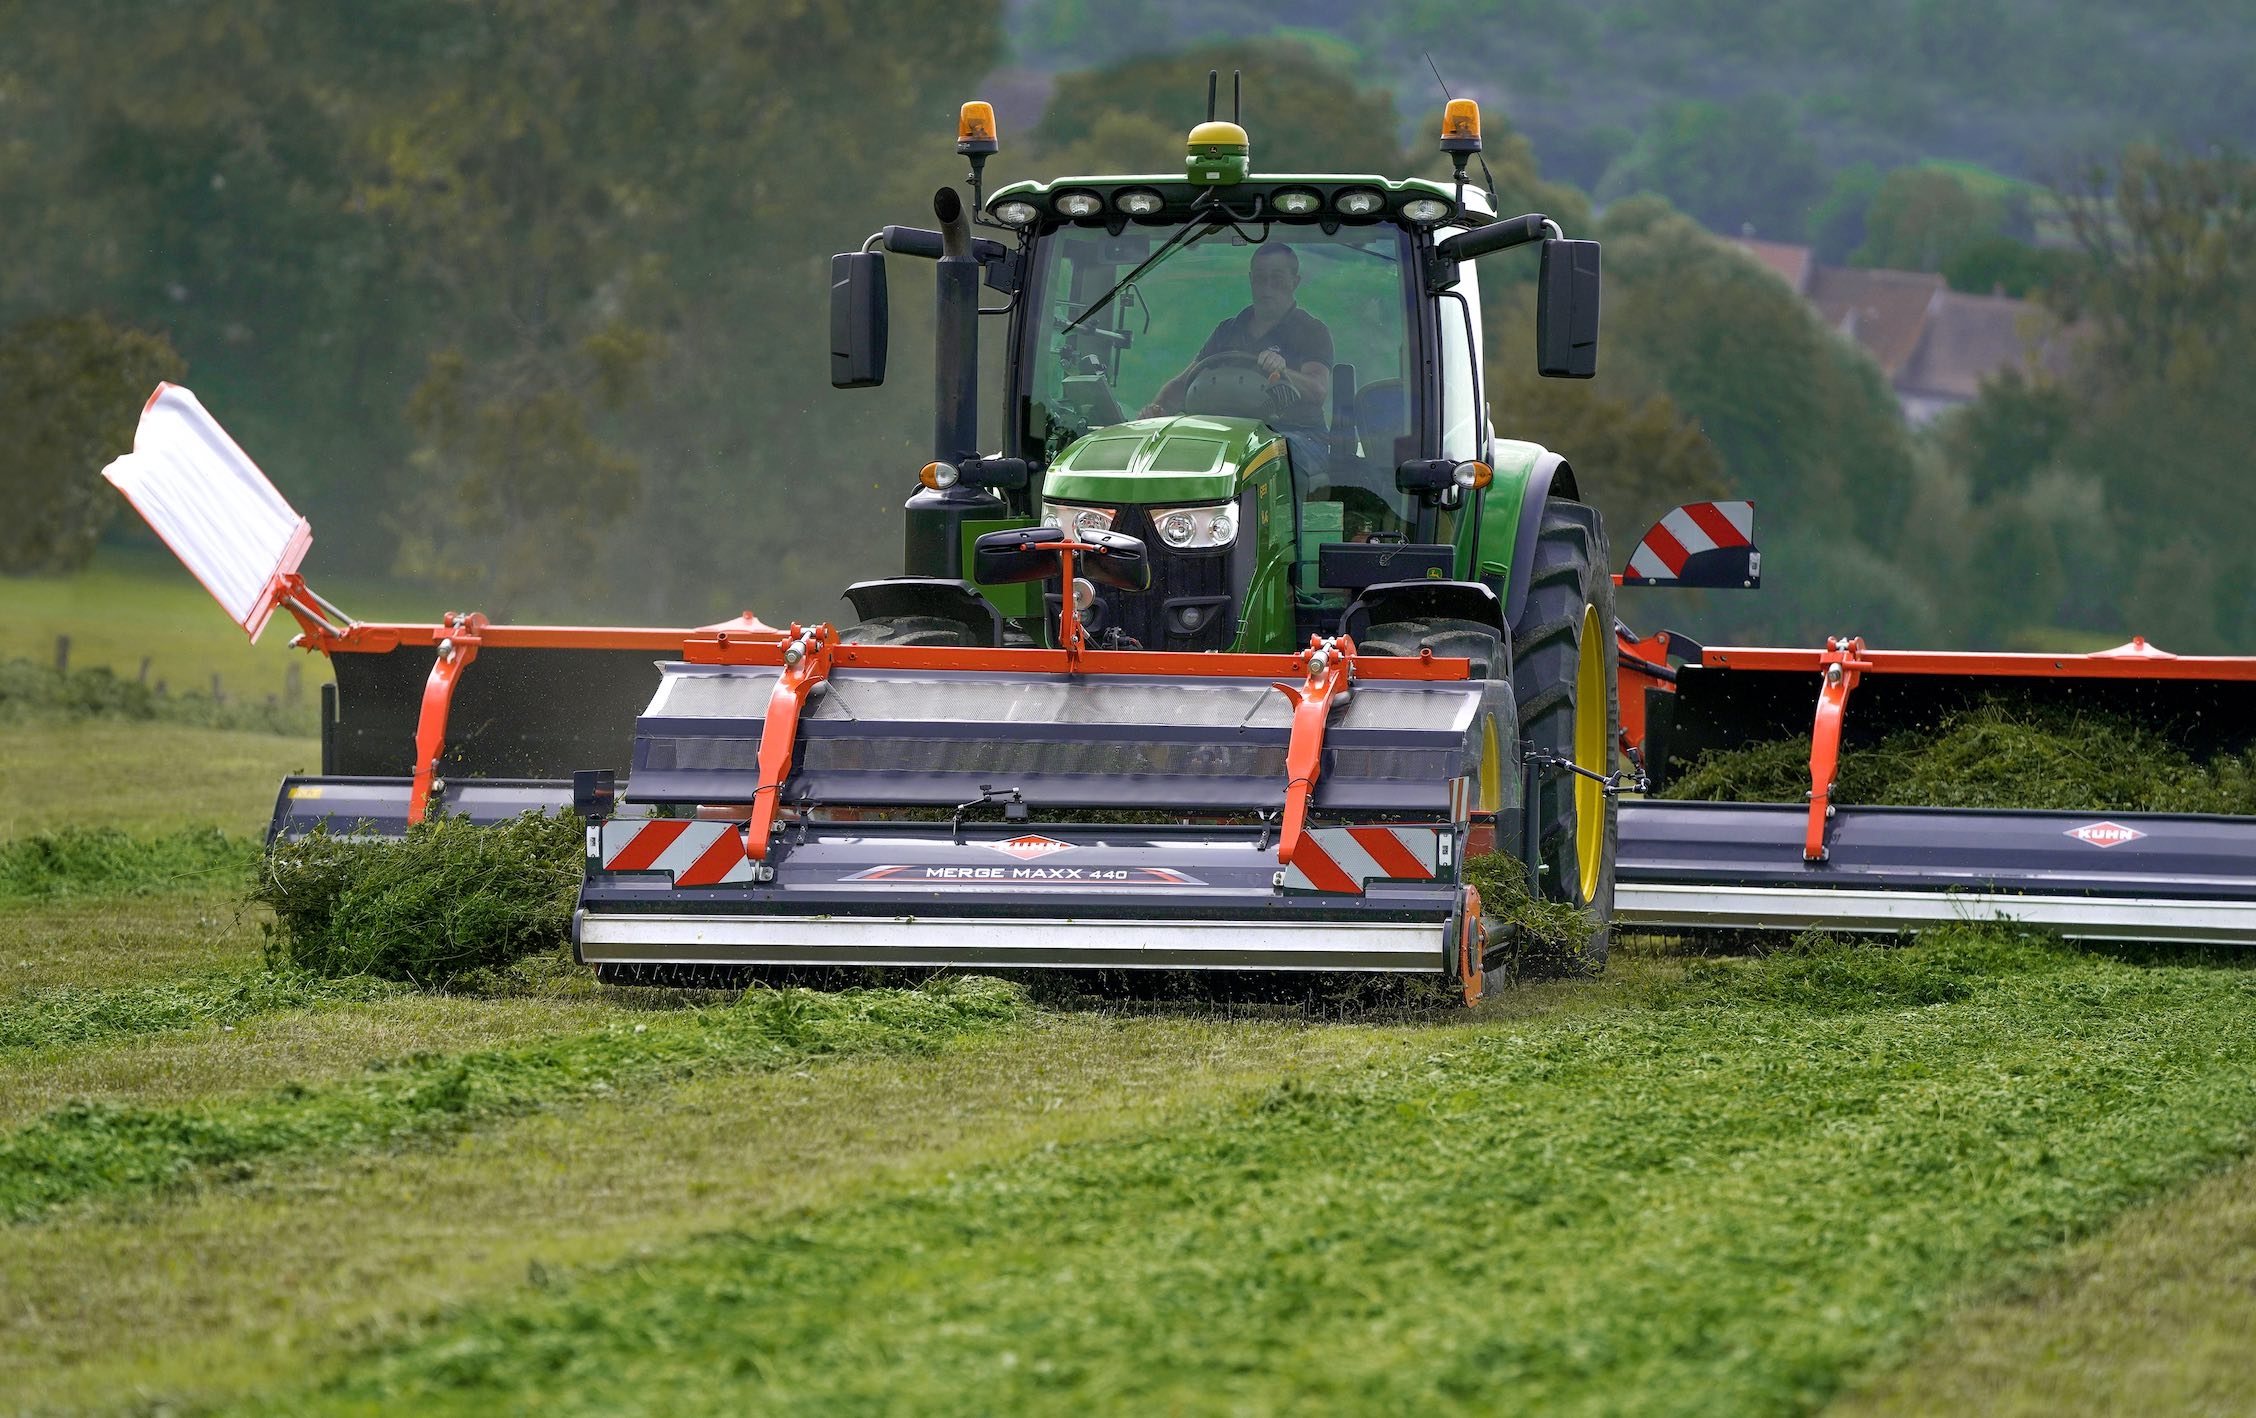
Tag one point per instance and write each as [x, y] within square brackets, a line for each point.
[694, 853]
[1347, 859]
[1675, 552]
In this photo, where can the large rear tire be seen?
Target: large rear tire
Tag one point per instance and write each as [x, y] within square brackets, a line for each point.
[909, 630]
[1448, 639]
[1563, 676]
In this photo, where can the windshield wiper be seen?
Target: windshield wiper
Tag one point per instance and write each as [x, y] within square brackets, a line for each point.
[1174, 243]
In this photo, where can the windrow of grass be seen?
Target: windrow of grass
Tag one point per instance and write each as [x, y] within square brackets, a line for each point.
[1994, 756]
[104, 861]
[1729, 1195]
[91, 1149]
[449, 900]
[66, 1018]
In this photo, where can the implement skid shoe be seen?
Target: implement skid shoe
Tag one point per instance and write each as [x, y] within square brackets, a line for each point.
[925, 806]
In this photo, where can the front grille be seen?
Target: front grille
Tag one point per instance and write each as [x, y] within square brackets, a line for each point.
[1175, 575]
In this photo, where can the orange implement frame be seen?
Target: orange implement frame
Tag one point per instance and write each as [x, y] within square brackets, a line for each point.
[1845, 661]
[1331, 670]
[808, 656]
[1844, 665]
[806, 665]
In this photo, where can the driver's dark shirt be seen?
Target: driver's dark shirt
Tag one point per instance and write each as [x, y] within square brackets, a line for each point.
[1300, 337]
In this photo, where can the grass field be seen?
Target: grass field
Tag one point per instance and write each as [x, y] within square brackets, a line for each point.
[1979, 1173]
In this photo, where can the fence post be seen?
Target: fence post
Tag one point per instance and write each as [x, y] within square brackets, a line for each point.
[62, 654]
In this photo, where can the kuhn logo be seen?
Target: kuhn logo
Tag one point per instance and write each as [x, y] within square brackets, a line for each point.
[2105, 834]
[1026, 849]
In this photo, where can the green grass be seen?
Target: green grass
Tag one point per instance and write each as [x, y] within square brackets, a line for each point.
[143, 778]
[1728, 1193]
[62, 1019]
[2151, 1316]
[103, 861]
[228, 1289]
[138, 602]
[94, 1148]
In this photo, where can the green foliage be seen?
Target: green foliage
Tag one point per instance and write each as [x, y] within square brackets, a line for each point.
[58, 1019]
[40, 693]
[69, 389]
[94, 1148]
[1305, 112]
[449, 899]
[102, 861]
[1926, 218]
[2114, 486]
[1837, 227]
[1994, 756]
[1730, 1195]
[2001, 265]
[1737, 167]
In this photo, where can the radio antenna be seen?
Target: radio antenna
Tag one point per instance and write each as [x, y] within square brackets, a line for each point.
[1213, 77]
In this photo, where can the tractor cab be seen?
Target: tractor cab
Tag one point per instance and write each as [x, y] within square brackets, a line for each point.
[1272, 382]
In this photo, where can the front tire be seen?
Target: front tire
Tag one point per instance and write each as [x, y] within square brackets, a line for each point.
[1563, 675]
[909, 630]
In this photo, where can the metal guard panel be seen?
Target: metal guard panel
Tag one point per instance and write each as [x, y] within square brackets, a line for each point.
[987, 943]
[2182, 857]
[916, 737]
[1008, 871]
[377, 807]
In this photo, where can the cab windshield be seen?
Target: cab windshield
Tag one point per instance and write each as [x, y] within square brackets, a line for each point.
[1268, 322]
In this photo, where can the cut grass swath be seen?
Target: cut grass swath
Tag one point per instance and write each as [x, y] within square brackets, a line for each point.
[448, 900]
[91, 1149]
[103, 861]
[1993, 756]
[55, 1019]
[1728, 1197]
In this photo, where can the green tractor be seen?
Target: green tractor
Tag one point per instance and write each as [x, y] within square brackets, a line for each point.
[1276, 384]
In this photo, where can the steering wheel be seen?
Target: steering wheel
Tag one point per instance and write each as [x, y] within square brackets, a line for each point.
[1230, 383]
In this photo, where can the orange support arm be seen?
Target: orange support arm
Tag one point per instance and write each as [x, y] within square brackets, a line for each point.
[806, 664]
[1844, 665]
[457, 649]
[1331, 666]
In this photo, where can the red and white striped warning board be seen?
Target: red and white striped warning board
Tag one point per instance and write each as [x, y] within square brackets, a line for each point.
[1346, 859]
[1666, 555]
[695, 853]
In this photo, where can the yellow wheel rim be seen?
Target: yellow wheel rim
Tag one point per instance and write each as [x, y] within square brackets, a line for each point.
[1488, 793]
[1591, 752]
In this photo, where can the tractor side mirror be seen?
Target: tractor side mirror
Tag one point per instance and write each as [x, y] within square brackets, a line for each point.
[858, 320]
[1566, 310]
[1115, 559]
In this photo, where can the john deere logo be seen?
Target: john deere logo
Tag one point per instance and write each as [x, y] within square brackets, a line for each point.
[1026, 849]
[2105, 834]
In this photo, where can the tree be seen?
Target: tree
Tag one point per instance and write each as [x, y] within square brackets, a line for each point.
[1304, 111]
[70, 388]
[1922, 218]
[1732, 168]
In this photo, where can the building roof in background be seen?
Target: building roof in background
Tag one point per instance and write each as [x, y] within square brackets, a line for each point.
[1967, 339]
[1793, 262]
[1935, 345]
[1885, 311]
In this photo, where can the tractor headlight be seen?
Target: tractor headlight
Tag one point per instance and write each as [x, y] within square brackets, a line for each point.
[1078, 204]
[1197, 528]
[1359, 202]
[1296, 201]
[1016, 213]
[1425, 209]
[1138, 202]
[1076, 522]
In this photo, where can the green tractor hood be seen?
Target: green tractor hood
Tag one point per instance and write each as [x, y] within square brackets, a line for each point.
[1162, 462]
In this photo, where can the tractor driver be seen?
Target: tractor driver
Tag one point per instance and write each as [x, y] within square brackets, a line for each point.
[1290, 346]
